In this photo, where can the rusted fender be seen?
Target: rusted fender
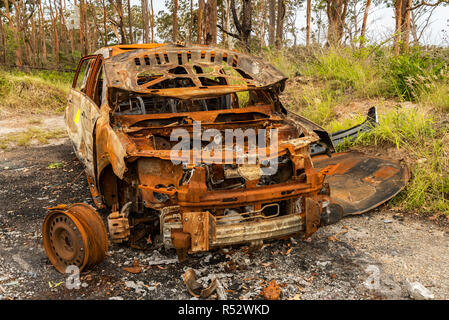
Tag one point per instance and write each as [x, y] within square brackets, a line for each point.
[110, 149]
[361, 182]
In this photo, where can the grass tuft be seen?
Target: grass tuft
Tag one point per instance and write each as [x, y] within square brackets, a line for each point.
[25, 138]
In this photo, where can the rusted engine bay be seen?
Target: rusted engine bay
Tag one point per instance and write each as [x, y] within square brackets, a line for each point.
[122, 121]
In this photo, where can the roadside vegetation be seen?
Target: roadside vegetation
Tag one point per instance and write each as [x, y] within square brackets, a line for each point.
[29, 136]
[411, 92]
[36, 92]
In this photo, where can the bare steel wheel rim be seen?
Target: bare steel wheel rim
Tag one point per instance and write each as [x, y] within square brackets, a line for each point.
[75, 235]
[65, 240]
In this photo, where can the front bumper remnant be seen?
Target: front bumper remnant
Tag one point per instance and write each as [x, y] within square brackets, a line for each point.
[201, 231]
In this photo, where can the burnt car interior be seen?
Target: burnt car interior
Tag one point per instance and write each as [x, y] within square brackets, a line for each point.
[134, 103]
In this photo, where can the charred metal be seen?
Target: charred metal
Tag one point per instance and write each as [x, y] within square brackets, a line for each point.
[126, 105]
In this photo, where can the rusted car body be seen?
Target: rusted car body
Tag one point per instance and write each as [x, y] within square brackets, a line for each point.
[121, 117]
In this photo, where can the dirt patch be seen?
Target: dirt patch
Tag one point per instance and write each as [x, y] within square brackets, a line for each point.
[17, 124]
[368, 256]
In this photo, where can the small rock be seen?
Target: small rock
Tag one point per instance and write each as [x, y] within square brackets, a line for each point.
[417, 291]
[115, 298]
[388, 221]
[323, 263]
[138, 287]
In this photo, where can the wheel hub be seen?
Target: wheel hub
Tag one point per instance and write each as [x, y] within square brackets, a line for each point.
[74, 235]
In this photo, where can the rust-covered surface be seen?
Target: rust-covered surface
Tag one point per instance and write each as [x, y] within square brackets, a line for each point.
[362, 182]
[197, 71]
[134, 105]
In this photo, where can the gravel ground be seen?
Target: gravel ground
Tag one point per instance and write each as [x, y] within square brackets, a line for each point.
[361, 257]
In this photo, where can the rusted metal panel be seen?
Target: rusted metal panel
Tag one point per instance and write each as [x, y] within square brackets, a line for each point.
[363, 182]
[197, 224]
[110, 149]
[123, 70]
[244, 232]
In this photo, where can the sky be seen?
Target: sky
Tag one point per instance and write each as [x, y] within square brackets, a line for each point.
[380, 24]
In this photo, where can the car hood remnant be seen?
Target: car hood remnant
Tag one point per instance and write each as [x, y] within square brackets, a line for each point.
[191, 148]
[199, 72]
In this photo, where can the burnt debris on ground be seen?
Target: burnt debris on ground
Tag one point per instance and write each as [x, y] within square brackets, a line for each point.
[329, 266]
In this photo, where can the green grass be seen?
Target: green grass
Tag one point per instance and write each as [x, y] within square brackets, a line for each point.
[55, 165]
[344, 70]
[39, 92]
[419, 130]
[25, 138]
[417, 134]
[403, 128]
[435, 95]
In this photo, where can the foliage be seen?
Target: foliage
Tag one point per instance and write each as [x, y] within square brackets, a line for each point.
[33, 92]
[412, 74]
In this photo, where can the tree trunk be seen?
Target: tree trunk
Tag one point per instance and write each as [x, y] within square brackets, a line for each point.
[120, 24]
[227, 22]
[55, 46]
[175, 20]
[272, 23]
[365, 20]
[190, 40]
[2, 43]
[244, 23]
[145, 21]
[398, 24]
[402, 10]
[152, 21]
[309, 14]
[210, 25]
[34, 45]
[130, 23]
[200, 21]
[82, 29]
[63, 30]
[19, 57]
[406, 25]
[105, 27]
[88, 29]
[42, 33]
[262, 24]
[280, 23]
[96, 31]
[336, 15]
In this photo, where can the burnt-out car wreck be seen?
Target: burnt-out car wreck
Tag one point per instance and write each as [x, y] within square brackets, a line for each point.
[151, 124]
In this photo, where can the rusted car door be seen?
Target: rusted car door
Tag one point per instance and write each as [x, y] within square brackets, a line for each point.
[83, 109]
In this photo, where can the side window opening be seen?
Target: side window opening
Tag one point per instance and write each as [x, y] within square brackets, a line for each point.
[88, 83]
[83, 74]
[98, 90]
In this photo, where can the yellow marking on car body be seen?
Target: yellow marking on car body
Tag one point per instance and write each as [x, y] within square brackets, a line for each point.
[77, 116]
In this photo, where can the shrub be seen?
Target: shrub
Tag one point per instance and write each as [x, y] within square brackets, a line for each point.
[413, 73]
